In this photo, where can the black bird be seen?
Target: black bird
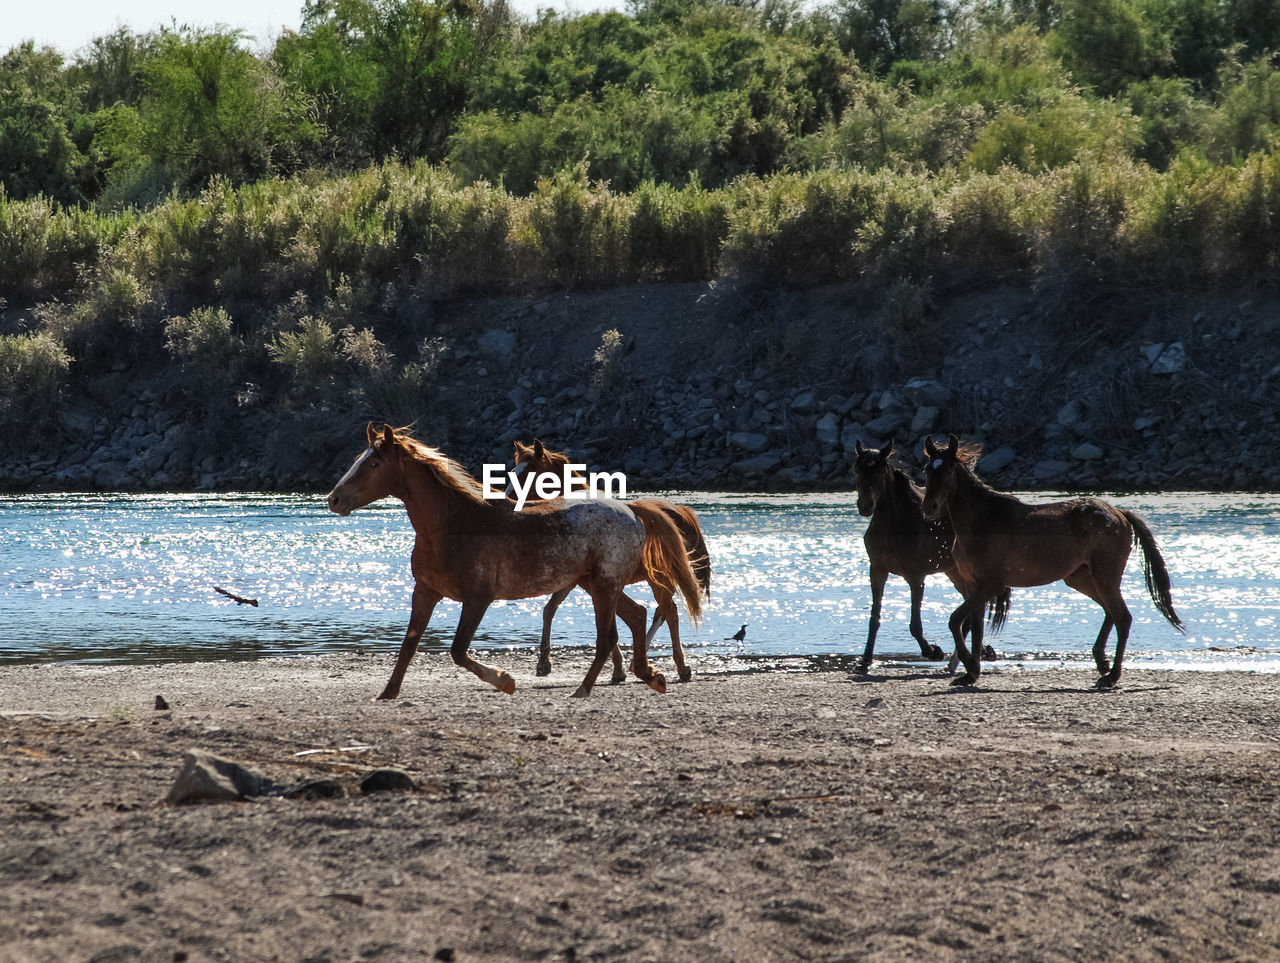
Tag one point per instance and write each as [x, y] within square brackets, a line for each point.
[739, 635]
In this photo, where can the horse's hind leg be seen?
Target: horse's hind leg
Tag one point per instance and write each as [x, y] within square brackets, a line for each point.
[927, 649]
[972, 661]
[424, 603]
[659, 617]
[549, 613]
[472, 613]
[667, 612]
[954, 660]
[606, 639]
[1117, 614]
[615, 653]
[632, 613]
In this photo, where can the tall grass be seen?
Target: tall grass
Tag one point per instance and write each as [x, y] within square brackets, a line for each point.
[414, 227]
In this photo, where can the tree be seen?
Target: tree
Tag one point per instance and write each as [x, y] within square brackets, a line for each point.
[878, 33]
[214, 108]
[401, 69]
[37, 155]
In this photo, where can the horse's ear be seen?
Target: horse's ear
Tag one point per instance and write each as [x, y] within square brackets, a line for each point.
[857, 446]
[953, 445]
[886, 448]
[930, 448]
[539, 452]
[370, 433]
[388, 436]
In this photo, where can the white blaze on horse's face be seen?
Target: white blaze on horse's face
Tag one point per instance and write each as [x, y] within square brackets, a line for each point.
[934, 496]
[515, 473]
[339, 503]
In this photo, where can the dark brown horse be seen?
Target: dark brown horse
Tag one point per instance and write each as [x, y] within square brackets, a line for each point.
[534, 460]
[1001, 541]
[475, 550]
[901, 541]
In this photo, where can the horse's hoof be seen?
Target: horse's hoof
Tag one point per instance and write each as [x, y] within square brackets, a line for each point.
[685, 674]
[544, 669]
[935, 654]
[505, 684]
[989, 654]
[618, 677]
[965, 680]
[862, 667]
[657, 682]
[581, 692]
[387, 694]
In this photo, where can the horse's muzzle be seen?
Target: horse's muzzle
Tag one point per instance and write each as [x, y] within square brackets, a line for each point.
[338, 505]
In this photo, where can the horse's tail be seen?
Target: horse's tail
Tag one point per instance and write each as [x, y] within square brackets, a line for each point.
[1154, 569]
[666, 559]
[998, 610]
[695, 543]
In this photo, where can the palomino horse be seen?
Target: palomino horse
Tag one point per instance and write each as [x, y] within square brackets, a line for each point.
[534, 460]
[1003, 541]
[475, 551]
[901, 541]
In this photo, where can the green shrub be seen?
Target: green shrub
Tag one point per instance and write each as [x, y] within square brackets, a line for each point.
[575, 231]
[32, 370]
[310, 354]
[45, 247]
[203, 337]
[677, 234]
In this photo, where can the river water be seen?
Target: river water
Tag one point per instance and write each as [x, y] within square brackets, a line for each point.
[116, 578]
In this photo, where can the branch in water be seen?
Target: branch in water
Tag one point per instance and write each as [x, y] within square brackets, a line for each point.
[239, 599]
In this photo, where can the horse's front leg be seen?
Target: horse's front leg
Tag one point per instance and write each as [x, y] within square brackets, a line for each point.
[878, 577]
[549, 613]
[632, 613]
[927, 649]
[424, 603]
[472, 613]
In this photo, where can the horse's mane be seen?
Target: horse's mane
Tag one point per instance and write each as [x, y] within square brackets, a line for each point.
[448, 472]
[968, 454]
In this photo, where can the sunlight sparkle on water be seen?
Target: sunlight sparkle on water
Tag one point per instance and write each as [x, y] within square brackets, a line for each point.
[131, 577]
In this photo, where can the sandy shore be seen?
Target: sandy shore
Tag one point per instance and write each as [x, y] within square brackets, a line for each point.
[766, 816]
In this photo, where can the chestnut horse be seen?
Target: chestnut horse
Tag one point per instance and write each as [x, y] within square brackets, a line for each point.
[901, 541]
[474, 551]
[1001, 541]
[536, 459]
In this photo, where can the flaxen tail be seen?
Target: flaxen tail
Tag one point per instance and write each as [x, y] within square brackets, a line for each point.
[1154, 569]
[666, 559]
[695, 543]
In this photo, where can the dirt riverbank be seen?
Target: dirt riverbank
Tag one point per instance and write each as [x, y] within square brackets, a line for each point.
[765, 816]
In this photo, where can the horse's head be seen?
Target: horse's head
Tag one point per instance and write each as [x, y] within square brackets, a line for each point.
[940, 475]
[535, 460]
[871, 474]
[375, 474]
